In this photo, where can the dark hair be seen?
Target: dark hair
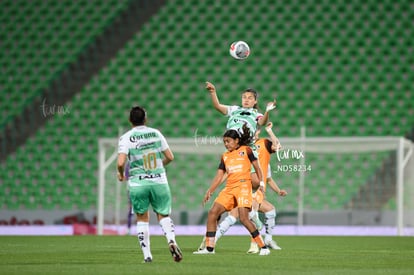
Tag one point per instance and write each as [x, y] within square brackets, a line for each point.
[253, 91]
[244, 136]
[255, 94]
[137, 116]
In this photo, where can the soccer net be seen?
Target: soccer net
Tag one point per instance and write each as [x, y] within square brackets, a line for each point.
[330, 181]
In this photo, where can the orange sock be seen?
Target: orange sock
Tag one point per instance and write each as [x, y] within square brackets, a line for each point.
[210, 240]
[258, 239]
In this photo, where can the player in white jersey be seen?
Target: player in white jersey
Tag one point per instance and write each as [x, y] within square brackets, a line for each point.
[148, 152]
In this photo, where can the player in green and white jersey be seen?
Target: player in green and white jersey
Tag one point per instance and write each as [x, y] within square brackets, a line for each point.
[245, 114]
[147, 152]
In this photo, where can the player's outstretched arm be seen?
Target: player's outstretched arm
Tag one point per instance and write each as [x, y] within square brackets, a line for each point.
[275, 141]
[216, 103]
[273, 185]
[270, 106]
[217, 181]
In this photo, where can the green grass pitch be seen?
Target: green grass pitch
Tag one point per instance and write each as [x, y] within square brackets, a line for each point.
[121, 255]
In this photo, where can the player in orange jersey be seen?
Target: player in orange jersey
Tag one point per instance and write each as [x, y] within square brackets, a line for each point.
[265, 148]
[236, 162]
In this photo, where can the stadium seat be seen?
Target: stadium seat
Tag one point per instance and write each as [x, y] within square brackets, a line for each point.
[30, 62]
[334, 72]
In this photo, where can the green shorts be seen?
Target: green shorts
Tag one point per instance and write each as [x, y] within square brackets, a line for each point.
[158, 196]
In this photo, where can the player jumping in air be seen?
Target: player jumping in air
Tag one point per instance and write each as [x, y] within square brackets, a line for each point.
[245, 114]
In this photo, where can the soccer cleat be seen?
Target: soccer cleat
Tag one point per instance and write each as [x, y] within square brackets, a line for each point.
[203, 251]
[273, 245]
[147, 260]
[254, 248]
[175, 251]
[264, 252]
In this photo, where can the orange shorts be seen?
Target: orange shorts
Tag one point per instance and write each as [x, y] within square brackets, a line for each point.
[238, 196]
[258, 196]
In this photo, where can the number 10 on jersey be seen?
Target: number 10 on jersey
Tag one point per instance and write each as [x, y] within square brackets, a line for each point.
[150, 161]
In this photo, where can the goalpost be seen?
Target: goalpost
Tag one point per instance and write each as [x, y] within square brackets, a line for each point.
[336, 180]
[110, 199]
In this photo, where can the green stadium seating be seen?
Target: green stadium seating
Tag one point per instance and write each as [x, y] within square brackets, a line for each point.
[41, 39]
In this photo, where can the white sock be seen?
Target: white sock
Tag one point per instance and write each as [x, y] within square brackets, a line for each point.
[144, 238]
[225, 225]
[270, 223]
[167, 226]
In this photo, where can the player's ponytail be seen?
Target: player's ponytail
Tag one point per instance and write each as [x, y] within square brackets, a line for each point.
[245, 138]
[243, 135]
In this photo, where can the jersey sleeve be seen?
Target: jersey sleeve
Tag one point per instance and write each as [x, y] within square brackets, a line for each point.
[123, 145]
[164, 143]
[258, 116]
[231, 109]
[222, 166]
[250, 154]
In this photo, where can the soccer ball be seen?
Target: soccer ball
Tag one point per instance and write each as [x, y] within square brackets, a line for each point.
[239, 50]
